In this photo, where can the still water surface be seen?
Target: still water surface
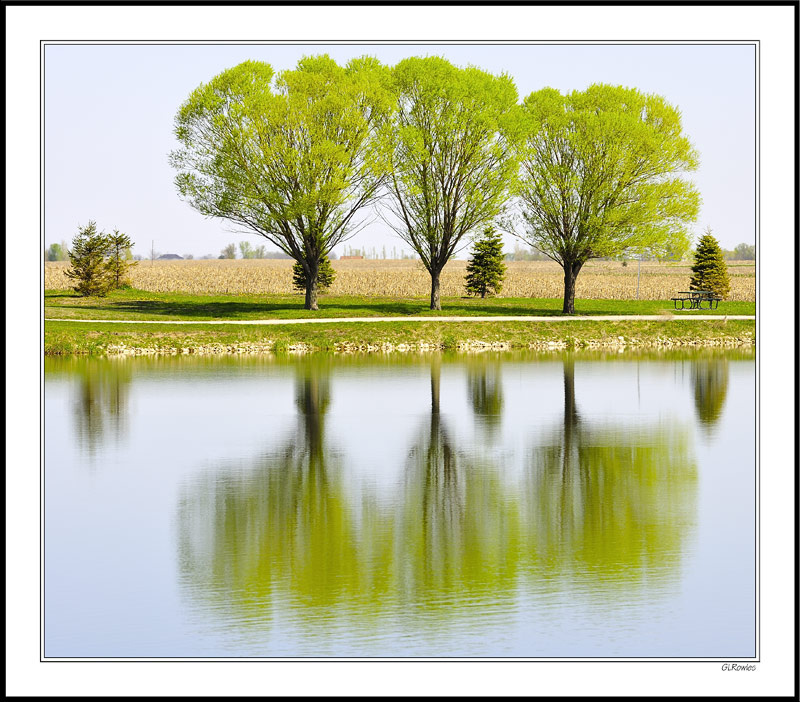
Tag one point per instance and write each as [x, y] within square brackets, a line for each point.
[549, 505]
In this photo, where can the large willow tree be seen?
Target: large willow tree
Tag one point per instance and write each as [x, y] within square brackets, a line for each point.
[602, 176]
[452, 149]
[292, 157]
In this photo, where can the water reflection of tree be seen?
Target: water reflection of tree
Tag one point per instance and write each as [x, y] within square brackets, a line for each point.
[606, 505]
[611, 503]
[100, 406]
[458, 530]
[710, 379]
[282, 521]
[288, 527]
[484, 385]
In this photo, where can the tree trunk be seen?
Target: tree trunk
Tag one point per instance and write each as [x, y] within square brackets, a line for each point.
[571, 420]
[436, 298]
[571, 271]
[570, 408]
[312, 285]
[436, 381]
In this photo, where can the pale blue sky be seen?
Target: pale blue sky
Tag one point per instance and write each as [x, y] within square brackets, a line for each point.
[109, 116]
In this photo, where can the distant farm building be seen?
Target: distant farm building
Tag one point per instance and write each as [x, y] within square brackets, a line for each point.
[170, 257]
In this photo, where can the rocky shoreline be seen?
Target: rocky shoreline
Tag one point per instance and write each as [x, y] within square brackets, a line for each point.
[619, 343]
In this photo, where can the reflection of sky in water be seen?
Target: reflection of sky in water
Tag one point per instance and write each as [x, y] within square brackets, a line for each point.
[203, 526]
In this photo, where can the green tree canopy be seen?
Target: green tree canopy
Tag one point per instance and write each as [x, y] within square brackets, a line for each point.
[602, 176]
[291, 157]
[247, 249]
[453, 148]
[744, 252]
[710, 271]
[57, 252]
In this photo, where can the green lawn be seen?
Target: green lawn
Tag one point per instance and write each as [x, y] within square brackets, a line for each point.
[138, 305]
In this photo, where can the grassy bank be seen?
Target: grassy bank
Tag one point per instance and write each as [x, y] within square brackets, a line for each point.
[64, 338]
[141, 305]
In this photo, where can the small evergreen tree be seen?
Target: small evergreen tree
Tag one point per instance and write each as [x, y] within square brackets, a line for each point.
[486, 270]
[119, 262]
[325, 275]
[88, 262]
[709, 271]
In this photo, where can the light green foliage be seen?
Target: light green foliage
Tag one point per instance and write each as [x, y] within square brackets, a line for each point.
[57, 252]
[229, 251]
[291, 157]
[120, 260]
[709, 271]
[486, 270]
[452, 147]
[246, 249]
[325, 275]
[88, 262]
[601, 176]
[249, 251]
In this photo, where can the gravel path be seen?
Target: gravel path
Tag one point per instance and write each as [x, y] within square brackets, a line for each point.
[342, 320]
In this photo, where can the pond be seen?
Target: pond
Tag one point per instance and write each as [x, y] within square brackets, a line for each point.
[478, 505]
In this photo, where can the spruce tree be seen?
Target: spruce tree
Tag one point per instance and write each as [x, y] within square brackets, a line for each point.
[119, 261]
[325, 275]
[709, 271]
[88, 262]
[486, 270]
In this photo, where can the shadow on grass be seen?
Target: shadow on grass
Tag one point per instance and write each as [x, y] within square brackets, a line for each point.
[57, 294]
[250, 310]
[286, 309]
[133, 307]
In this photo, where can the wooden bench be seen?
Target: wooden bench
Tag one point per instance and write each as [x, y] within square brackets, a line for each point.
[696, 298]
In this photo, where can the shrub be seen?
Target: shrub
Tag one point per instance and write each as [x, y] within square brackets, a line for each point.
[709, 271]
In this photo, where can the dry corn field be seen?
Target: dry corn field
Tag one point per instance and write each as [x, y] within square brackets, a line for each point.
[540, 279]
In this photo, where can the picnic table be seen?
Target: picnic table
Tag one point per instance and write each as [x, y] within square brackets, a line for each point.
[696, 298]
